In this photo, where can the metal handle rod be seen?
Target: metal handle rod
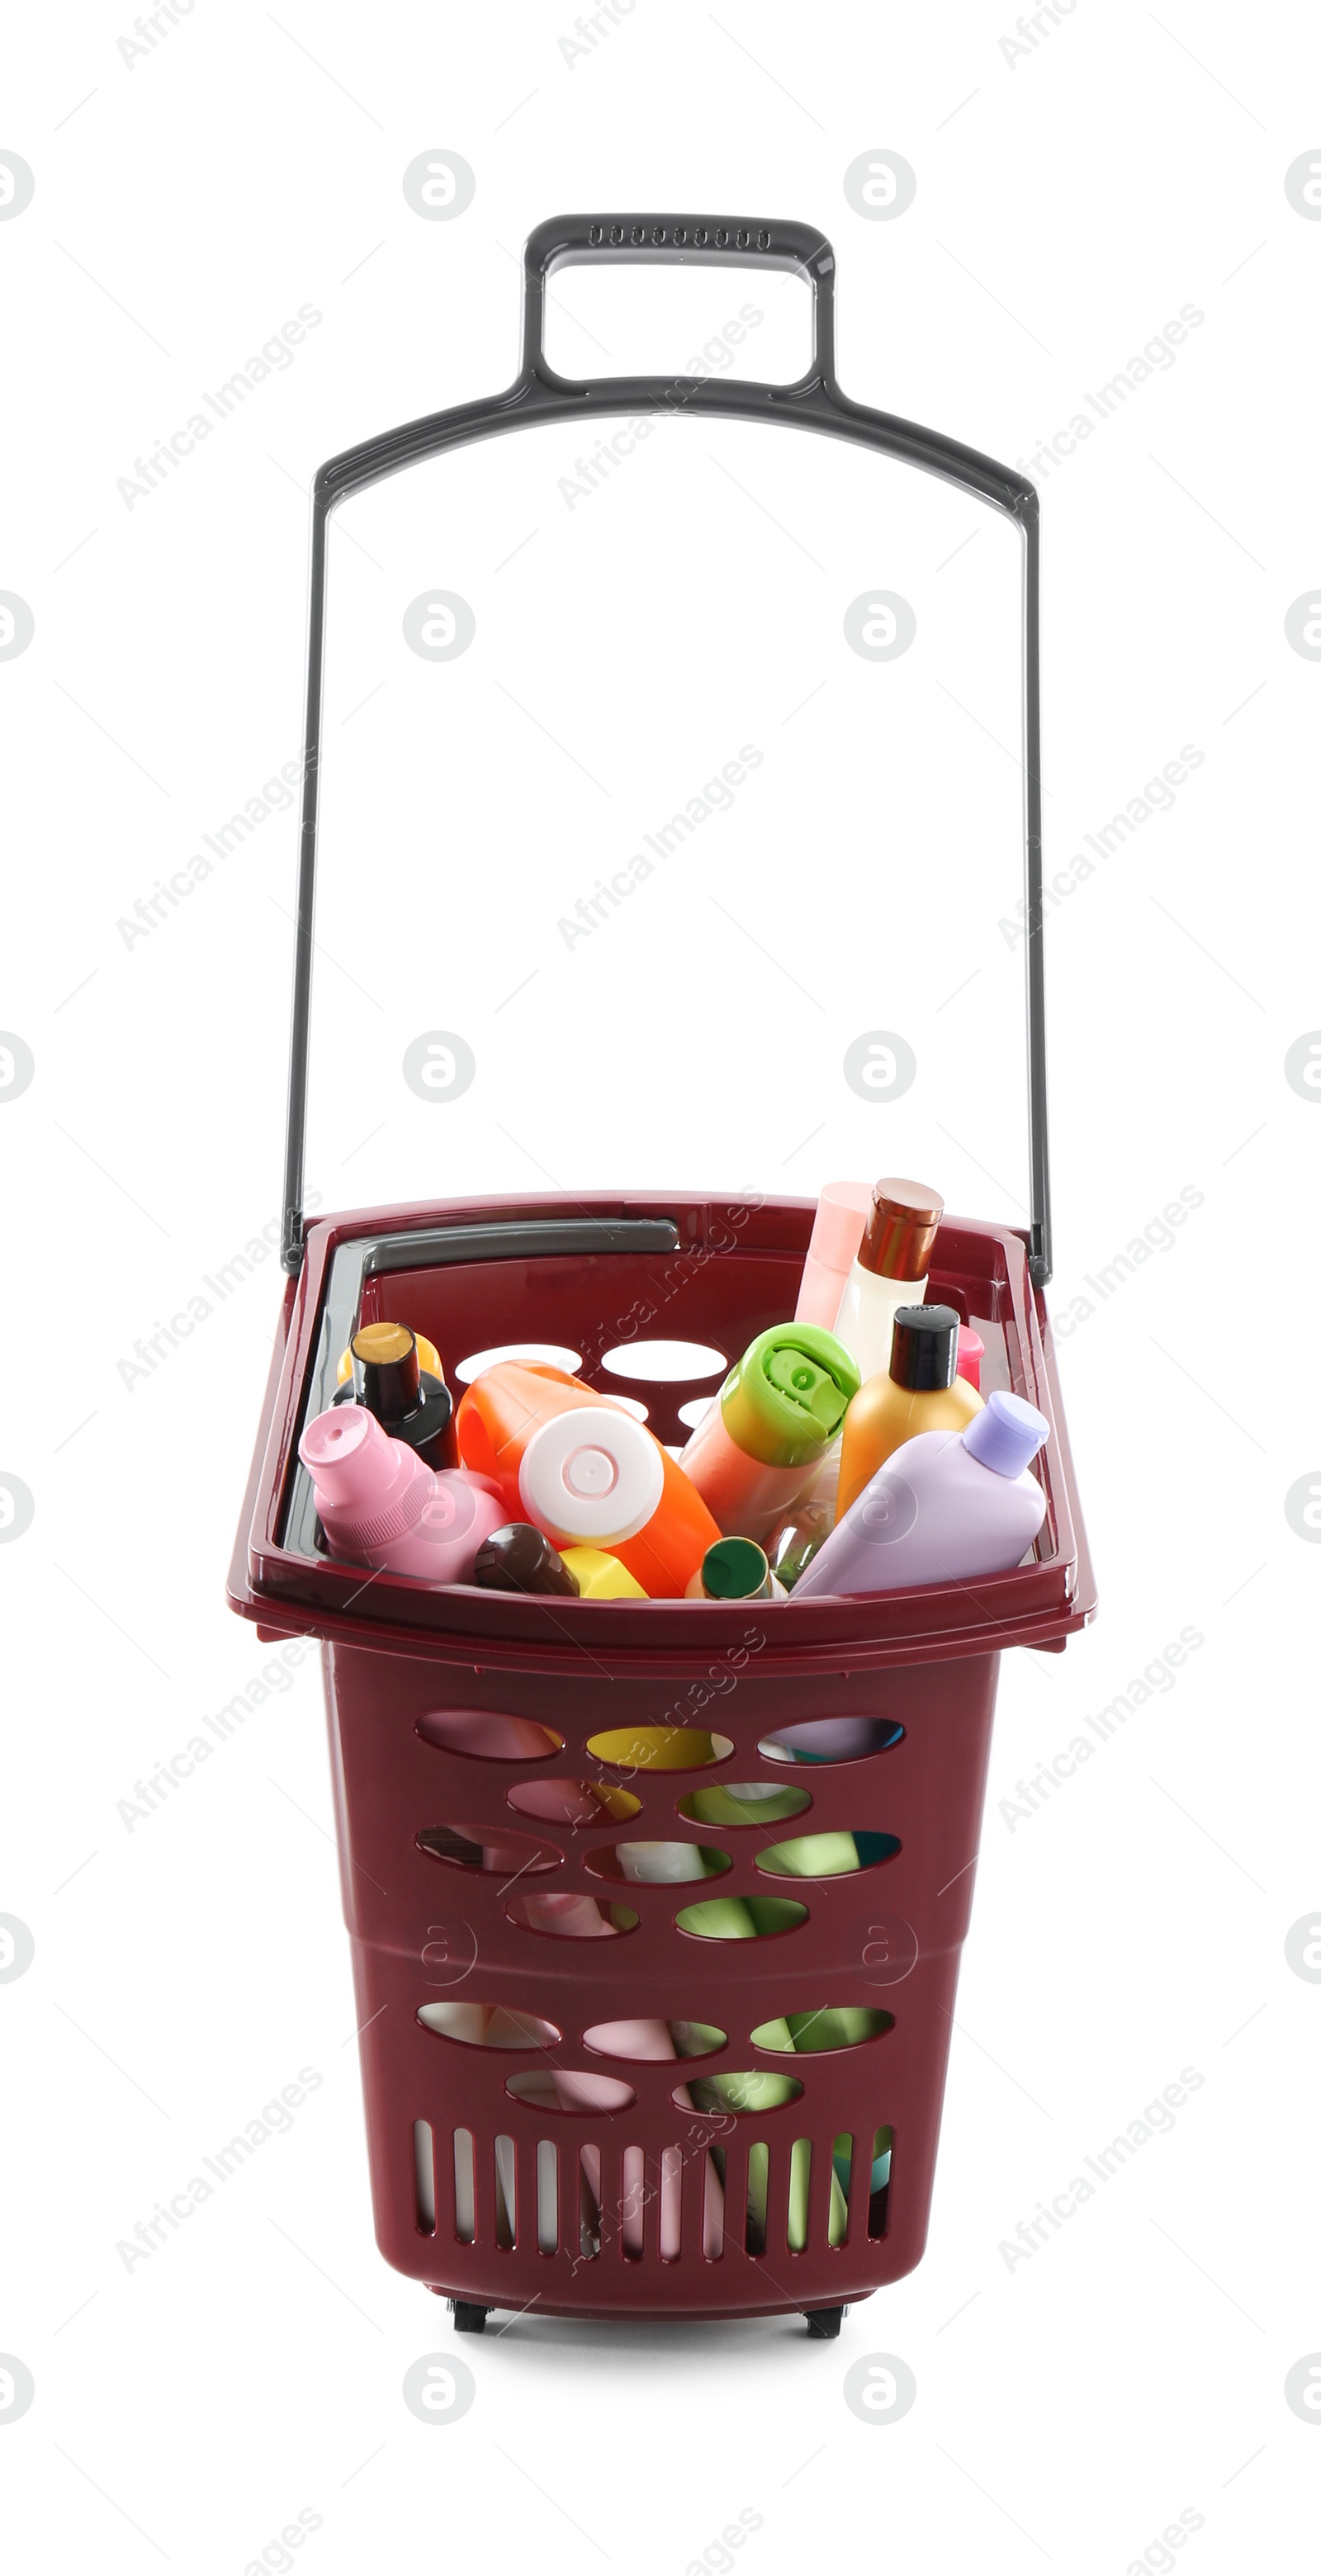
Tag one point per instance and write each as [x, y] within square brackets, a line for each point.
[813, 402]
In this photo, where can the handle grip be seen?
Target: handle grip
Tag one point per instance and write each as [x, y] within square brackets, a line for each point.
[712, 241]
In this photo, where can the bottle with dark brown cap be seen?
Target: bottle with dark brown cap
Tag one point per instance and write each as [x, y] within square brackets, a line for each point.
[519, 1558]
[894, 1257]
[920, 1391]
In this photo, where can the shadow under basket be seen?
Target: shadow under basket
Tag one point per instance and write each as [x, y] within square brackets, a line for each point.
[579, 2091]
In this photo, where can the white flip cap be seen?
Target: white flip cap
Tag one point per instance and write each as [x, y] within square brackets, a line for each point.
[592, 1475]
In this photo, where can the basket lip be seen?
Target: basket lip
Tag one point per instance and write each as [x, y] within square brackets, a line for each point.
[294, 1594]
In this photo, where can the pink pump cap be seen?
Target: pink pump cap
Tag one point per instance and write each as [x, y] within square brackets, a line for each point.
[369, 1488]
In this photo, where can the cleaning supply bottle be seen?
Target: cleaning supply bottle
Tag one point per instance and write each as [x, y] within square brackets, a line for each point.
[920, 1391]
[890, 1269]
[762, 1443]
[841, 1214]
[585, 1472]
[948, 1507]
[519, 1558]
[735, 1569]
[387, 1375]
[381, 1505]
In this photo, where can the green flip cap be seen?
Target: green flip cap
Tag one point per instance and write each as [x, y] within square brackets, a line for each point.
[788, 1395]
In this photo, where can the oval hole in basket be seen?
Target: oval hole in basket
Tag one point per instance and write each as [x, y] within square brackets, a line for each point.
[631, 1404]
[659, 1748]
[656, 1864]
[492, 1849]
[811, 2034]
[564, 1917]
[747, 1802]
[489, 2026]
[573, 1802]
[489, 1734]
[759, 1918]
[644, 2041]
[831, 1739]
[545, 1354]
[826, 1855]
[753, 2089]
[695, 1410]
[554, 2092]
[665, 1363]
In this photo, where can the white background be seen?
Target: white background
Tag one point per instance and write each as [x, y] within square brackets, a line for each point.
[1070, 201]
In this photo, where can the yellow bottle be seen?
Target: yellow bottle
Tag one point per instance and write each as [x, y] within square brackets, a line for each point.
[920, 1392]
[601, 1577]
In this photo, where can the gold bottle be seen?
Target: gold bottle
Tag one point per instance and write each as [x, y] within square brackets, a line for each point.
[919, 1392]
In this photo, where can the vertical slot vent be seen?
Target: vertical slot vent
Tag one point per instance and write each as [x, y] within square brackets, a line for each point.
[841, 2163]
[505, 2205]
[758, 2192]
[633, 2204]
[465, 2196]
[589, 2201]
[671, 2204]
[878, 2182]
[800, 2185]
[713, 2205]
[424, 2177]
[548, 2196]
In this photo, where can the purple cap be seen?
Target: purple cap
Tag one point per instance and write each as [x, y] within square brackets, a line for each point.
[1007, 1434]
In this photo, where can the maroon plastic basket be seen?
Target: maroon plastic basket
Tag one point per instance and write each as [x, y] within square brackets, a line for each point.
[483, 2188]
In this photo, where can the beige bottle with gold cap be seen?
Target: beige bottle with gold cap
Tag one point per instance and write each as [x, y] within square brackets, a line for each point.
[890, 1270]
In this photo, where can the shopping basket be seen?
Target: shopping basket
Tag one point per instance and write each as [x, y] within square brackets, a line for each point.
[800, 2182]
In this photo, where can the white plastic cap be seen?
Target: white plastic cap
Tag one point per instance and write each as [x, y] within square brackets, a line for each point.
[592, 1475]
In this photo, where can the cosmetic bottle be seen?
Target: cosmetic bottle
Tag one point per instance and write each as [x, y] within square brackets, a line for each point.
[890, 1270]
[948, 1507]
[920, 1391]
[762, 1443]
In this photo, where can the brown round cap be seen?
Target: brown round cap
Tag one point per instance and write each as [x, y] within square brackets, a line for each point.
[901, 1229]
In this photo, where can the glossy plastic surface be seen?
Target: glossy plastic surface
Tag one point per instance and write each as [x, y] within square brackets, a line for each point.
[447, 1708]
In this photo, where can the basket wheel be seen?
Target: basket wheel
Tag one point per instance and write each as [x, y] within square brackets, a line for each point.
[824, 2323]
[470, 2317]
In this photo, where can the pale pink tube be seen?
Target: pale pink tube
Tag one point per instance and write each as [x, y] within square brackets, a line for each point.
[381, 1505]
[841, 1215]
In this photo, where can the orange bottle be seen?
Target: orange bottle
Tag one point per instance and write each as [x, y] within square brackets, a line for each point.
[615, 1488]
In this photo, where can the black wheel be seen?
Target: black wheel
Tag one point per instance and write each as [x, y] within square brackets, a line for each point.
[824, 2323]
[470, 2318]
